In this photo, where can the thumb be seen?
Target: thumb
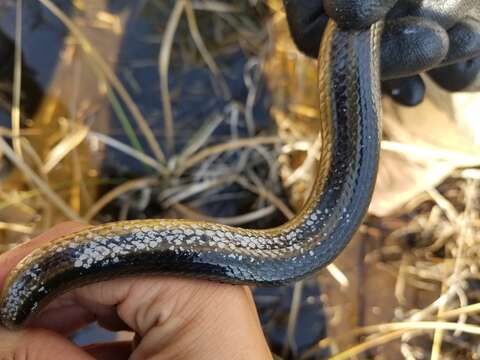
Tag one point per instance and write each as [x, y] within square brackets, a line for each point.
[38, 344]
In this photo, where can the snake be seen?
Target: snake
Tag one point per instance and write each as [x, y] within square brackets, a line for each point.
[349, 144]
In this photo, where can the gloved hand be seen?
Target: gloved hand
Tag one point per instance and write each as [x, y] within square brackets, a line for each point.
[419, 35]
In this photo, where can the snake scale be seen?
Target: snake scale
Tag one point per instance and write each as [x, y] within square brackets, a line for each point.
[349, 104]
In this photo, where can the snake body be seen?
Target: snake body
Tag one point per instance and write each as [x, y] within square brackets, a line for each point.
[349, 142]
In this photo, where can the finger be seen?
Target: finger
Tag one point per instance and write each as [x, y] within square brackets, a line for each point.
[358, 14]
[462, 76]
[37, 344]
[65, 320]
[307, 22]
[175, 314]
[464, 41]
[410, 46]
[110, 351]
[446, 12]
[113, 322]
[12, 257]
[406, 91]
[68, 314]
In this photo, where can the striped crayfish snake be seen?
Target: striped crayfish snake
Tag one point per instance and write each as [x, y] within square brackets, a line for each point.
[349, 94]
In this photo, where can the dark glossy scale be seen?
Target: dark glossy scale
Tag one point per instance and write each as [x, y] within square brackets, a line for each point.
[350, 117]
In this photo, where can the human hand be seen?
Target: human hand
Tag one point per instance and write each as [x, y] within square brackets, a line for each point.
[418, 36]
[172, 318]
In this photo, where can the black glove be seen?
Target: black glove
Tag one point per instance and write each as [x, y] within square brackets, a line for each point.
[461, 76]
[460, 69]
[419, 35]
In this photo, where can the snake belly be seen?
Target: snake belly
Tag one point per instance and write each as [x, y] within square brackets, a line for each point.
[350, 109]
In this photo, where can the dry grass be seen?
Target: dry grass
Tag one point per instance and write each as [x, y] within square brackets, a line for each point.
[65, 148]
[425, 238]
[431, 202]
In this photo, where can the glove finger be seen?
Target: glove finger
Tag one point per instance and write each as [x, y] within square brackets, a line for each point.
[307, 21]
[357, 14]
[446, 12]
[462, 76]
[410, 46]
[408, 91]
[464, 41]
